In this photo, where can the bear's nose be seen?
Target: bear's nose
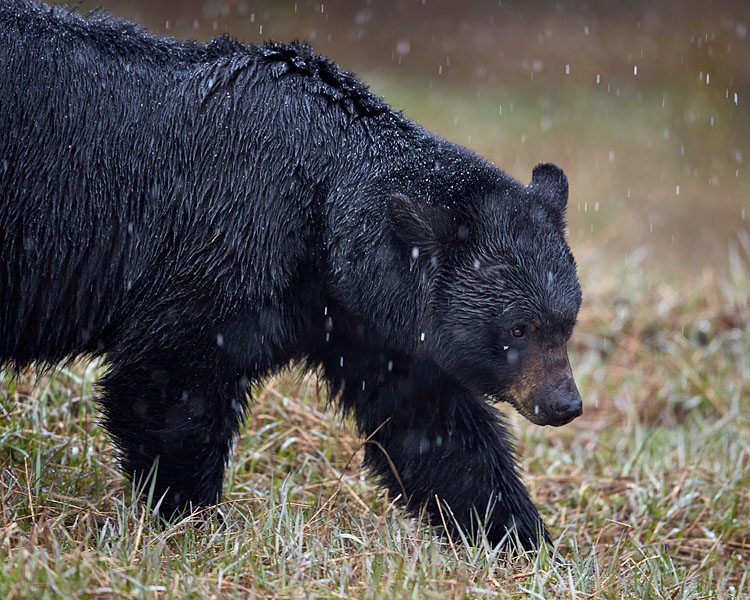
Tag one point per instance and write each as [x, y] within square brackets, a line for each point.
[565, 404]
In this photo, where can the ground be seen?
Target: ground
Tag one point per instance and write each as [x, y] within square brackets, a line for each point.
[646, 495]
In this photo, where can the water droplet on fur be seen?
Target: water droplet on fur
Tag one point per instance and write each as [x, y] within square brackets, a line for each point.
[536, 409]
[390, 365]
[219, 340]
[421, 337]
[341, 361]
[415, 253]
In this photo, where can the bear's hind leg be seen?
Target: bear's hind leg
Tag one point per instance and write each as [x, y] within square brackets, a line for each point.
[181, 410]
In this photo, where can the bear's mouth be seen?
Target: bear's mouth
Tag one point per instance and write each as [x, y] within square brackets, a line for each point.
[539, 413]
[536, 416]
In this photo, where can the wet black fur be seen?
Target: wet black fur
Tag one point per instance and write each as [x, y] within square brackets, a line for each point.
[204, 214]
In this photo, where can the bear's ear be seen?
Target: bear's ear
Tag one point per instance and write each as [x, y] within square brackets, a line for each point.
[417, 223]
[550, 183]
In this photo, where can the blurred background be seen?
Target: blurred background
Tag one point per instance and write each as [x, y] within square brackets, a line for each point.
[645, 105]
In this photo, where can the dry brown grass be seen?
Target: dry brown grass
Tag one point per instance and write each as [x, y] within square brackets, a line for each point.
[646, 494]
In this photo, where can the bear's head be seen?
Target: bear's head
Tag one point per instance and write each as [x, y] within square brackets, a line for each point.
[503, 295]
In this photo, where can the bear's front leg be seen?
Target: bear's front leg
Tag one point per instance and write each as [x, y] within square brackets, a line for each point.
[432, 441]
[180, 409]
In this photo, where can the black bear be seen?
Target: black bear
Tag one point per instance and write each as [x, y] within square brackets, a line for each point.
[203, 214]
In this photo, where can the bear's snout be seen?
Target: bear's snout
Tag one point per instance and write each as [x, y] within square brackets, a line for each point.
[546, 393]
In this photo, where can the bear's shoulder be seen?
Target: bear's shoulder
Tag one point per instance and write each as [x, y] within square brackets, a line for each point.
[321, 75]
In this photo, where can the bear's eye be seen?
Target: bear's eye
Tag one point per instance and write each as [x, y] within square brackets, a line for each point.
[517, 331]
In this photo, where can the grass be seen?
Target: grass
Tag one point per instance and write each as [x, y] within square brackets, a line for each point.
[646, 495]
